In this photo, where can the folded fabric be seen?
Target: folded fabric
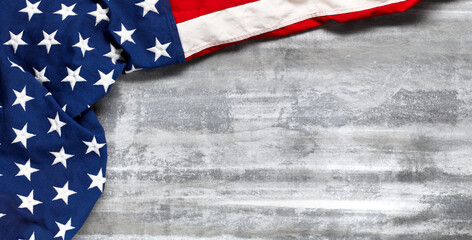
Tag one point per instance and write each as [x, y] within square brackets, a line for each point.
[57, 58]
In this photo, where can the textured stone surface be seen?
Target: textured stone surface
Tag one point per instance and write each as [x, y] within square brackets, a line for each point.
[359, 130]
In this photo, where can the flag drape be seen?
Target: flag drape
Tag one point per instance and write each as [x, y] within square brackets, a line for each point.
[57, 58]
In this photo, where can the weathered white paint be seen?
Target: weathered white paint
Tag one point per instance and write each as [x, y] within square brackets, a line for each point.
[400, 206]
[357, 115]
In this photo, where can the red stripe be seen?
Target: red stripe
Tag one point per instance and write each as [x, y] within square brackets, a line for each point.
[184, 10]
[318, 21]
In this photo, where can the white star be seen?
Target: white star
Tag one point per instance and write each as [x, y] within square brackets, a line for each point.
[21, 98]
[97, 180]
[61, 157]
[148, 6]
[105, 80]
[26, 170]
[114, 54]
[66, 11]
[64, 193]
[32, 237]
[41, 75]
[28, 202]
[15, 65]
[22, 135]
[63, 228]
[56, 124]
[73, 77]
[15, 41]
[49, 40]
[2, 215]
[125, 34]
[83, 45]
[100, 14]
[159, 50]
[31, 9]
[133, 69]
[94, 146]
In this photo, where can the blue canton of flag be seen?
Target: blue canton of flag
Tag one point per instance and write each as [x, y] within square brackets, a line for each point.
[58, 57]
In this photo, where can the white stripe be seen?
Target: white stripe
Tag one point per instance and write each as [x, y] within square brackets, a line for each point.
[252, 19]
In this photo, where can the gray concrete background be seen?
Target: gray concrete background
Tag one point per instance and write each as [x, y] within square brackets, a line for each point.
[360, 130]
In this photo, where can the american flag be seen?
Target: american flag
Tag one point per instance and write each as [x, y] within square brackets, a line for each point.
[59, 57]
